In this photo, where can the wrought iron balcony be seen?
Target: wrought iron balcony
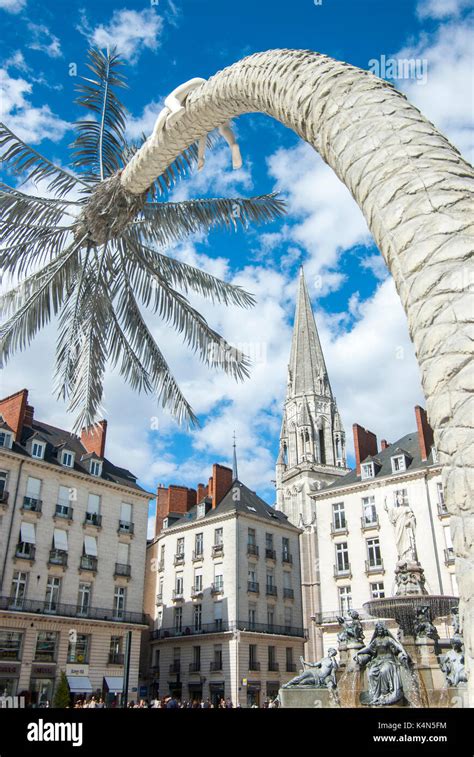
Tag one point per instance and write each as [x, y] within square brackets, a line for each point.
[32, 504]
[88, 563]
[254, 665]
[217, 549]
[178, 595]
[57, 557]
[449, 556]
[253, 586]
[196, 592]
[198, 555]
[342, 572]
[368, 523]
[216, 665]
[271, 591]
[126, 527]
[25, 551]
[273, 667]
[339, 530]
[224, 626]
[194, 667]
[63, 511]
[179, 558]
[122, 570]
[372, 566]
[115, 658]
[217, 588]
[270, 554]
[287, 558]
[252, 549]
[93, 519]
[288, 593]
[40, 607]
[175, 667]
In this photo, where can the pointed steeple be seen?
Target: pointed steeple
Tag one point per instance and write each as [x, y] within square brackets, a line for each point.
[307, 371]
[235, 473]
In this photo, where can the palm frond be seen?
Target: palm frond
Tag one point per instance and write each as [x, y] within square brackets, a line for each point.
[30, 246]
[100, 144]
[20, 158]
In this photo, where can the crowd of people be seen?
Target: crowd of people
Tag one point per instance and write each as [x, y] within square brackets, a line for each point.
[170, 702]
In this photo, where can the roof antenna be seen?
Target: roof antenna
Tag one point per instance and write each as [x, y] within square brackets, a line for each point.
[235, 474]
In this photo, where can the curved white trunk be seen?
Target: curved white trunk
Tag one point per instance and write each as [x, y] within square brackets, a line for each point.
[416, 193]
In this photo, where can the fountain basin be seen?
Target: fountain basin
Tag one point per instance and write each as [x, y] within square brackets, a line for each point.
[404, 608]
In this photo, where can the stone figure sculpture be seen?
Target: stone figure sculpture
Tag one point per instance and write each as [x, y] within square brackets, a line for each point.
[384, 657]
[319, 675]
[403, 520]
[455, 621]
[351, 628]
[452, 664]
[424, 626]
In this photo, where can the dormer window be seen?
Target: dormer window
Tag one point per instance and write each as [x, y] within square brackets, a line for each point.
[201, 510]
[367, 470]
[37, 450]
[67, 458]
[165, 523]
[95, 467]
[399, 463]
[6, 439]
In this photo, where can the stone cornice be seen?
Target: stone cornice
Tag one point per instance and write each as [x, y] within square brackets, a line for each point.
[377, 483]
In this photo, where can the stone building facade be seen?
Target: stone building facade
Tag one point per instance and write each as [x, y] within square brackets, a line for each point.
[223, 593]
[73, 530]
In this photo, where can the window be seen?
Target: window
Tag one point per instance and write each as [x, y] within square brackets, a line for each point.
[178, 618]
[125, 521]
[270, 616]
[196, 663]
[197, 581]
[46, 643]
[199, 544]
[400, 497]
[218, 615]
[32, 500]
[120, 596]
[123, 554]
[116, 650]
[374, 558]
[342, 558]
[217, 663]
[6, 439]
[252, 616]
[441, 503]
[218, 537]
[63, 506]
[252, 577]
[398, 463]
[37, 450]
[285, 548]
[218, 578]
[369, 510]
[67, 458]
[78, 651]
[290, 666]
[179, 585]
[377, 590]
[345, 599]
[3, 484]
[201, 510]
[18, 589]
[180, 547]
[272, 663]
[253, 657]
[53, 590]
[367, 470]
[197, 617]
[269, 541]
[95, 468]
[27, 541]
[338, 516]
[288, 617]
[286, 579]
[10, 645]
[84, 599]
[252, 539]
[93, 510]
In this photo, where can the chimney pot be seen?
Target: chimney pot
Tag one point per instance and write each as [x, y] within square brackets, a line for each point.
[365, 444]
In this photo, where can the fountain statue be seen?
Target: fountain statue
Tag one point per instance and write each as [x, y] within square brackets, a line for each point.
[385, 660]
[452, 663]
[351, 628]
[318, 675]
[424, 627]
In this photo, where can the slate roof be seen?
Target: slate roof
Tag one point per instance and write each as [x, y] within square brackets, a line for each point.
[57, 438]
[249, 503]
[407, 445]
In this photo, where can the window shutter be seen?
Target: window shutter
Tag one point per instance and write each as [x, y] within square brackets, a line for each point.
[93, 504]
[126, 512]
[60, 539]
[27, 533]
[33, 487]
[122, 553]
[90, 546]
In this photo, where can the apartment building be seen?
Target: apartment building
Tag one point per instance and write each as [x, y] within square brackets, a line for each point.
[73, 530]
[223, 594]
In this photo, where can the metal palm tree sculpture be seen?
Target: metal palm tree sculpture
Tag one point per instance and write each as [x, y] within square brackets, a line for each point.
[97, 281]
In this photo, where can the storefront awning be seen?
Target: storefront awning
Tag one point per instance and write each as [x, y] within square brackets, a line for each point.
[79, 685]
[114, 683]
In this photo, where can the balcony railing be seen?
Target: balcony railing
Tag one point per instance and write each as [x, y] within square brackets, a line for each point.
[252, 549]
[88, 563]
[368, 523]
[217, 588]
[93, 519]
[25, 551]
[372, 566]
[216, 665]
[122, 570]
[198, 554]
[57, 557]
[3, 498]
[178, 595]
[287, 558]
[194, 667]
[225, 626]
[291, 667]
[271, 591]
[115, 658]
[253, 586]
[70, 611]
[126, 527]
[179, 558]
[339, 530]
[449, 556]
[217, 549]
[254, 665]
[63, 511]
[175, 667]
[270, 554]
[273, 667]
[196, 591]
[342, 572]
[32, 504]
[288, 593]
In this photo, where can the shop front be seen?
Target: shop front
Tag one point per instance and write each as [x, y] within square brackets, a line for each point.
[78, 681]
[42, 682]
[253, 693]
[112, 690]
[195, 691]
[216, 692]
[9, 676]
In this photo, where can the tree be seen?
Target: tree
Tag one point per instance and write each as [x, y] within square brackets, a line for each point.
[62, 696]
[98, 281]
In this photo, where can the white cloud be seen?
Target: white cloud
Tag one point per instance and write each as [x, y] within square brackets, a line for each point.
[129, 31]
[440, 9]
[43, 40]
[30, 123]
[143, 124]
[12, 6]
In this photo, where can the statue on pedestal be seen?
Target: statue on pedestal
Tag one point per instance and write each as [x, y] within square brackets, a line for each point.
[351, 628]
[403, 520]
[318, 675]
[384, 657]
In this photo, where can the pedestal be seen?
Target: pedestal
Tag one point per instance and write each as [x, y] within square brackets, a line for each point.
[306, 697]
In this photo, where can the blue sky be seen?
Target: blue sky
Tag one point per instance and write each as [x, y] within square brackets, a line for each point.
[369, 356]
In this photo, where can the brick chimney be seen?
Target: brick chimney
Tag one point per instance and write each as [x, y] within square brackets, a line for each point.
[201, 492]
[29, 416]
[425, 432]
[221, 483]
[384, 444]
[172, 499]
[365, 444]
[13, 409]
[93, 438]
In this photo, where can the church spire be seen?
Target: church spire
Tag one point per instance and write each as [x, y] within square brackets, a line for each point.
[235, 473]
[307, 373]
